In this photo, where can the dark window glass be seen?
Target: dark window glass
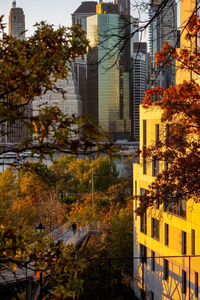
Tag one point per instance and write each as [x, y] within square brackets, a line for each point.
[155, 166]
[152, 261]
[184, 282]
[196, 284]
[143, 253]
[151, 295]
[144, 132]
[184, 242]
[166, 165]
[157, 134]
[167, 133]
[166, 234]
[155, 230]
[144, 146]
[193, 242]
[144, 166]
[177, 208]
[143, 223]
[165, 269]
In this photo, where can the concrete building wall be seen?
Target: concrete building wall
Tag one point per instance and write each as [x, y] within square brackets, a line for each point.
[182, 221]
[185, 220]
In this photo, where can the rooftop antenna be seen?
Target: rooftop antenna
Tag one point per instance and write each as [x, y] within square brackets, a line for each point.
[14, 4]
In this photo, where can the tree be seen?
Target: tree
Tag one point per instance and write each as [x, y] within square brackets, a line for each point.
[32, 67]
[26, 249]
[180, 148]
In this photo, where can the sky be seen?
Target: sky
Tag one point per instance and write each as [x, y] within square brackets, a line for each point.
[56, 12]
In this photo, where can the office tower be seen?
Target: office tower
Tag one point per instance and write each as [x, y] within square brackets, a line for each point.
[140, 82]
[166, 237]
[113, 83]
[162, 29]
[86, 9]
[123, 7]
[17, 22]
[14, 133]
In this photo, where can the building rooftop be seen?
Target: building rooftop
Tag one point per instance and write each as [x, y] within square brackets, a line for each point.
[86, 7]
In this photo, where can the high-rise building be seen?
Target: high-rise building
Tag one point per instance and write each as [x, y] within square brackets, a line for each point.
[140, 82]
[166, 237]
[14, 133]
[163, 28]
[123, 7]
[70, 103]
[17, 22]
[113, 65]
[86, 9]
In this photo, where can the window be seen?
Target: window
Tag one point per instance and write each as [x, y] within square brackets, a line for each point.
[143, 223]
[144, 146]
[143, 253]
[167, 133]
[155, 228]
[144, 166]
[152, 261]
[193, 242]
[184, 242]
[144, 132]
[196, 284]
[165, 269]
[166, 164]
[184, 282]
[157, 134]
[155, 166]
[166, 234]
[142, 294]
[151, 295]
[177, 208]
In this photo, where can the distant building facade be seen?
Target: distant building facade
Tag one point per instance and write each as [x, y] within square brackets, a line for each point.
[162, 29]
[86, 9]
[17, 22]
[113, 66]
[141, 66]
[69, 103]
[16, 132]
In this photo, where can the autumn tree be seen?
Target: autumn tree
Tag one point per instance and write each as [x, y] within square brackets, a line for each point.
[28, 250]
[31, 68]
[179, 149]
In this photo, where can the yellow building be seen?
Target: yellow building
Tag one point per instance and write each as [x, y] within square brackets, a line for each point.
[166, 240]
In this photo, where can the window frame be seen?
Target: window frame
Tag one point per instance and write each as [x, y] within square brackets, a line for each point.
[155, 229]
[165, 269]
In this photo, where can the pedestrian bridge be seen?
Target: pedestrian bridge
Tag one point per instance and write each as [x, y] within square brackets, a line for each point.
[83, 229]
[64, 233]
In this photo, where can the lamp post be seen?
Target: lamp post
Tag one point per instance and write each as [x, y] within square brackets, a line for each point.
[93, 192]
[40, 227]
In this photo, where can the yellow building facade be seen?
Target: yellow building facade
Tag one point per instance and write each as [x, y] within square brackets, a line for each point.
[166, 240]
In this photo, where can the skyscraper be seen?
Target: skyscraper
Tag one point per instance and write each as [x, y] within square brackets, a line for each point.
[15, 133]
[105, 31]
[17, 22]
[162, 29]
[86, 9]
[123, 6]
[140, 80]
